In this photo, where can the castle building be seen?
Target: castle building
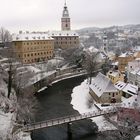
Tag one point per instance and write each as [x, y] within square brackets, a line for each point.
[30, 48]
[39, 46]
[66, 38]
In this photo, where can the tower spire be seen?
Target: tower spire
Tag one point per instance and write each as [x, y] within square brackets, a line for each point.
[65, 20]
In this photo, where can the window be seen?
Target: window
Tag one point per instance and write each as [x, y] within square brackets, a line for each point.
[113, 95]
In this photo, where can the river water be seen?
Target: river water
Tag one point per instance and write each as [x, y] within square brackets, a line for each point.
[55, 102]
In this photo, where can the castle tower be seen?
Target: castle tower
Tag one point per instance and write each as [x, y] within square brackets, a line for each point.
[65, 20]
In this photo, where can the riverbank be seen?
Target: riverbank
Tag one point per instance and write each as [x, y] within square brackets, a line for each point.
[83, 102]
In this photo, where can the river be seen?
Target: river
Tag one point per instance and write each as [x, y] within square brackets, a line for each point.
[55, 102]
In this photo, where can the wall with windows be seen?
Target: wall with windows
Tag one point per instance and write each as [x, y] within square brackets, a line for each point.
[64, 42]
[30, 51]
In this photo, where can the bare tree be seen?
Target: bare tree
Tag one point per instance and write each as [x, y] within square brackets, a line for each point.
[26, 101]
[5, 36]
[105, 66]
[12, 66]
[26, 106]
[90, 64]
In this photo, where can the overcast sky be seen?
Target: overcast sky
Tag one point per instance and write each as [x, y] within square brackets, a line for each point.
[43, 15]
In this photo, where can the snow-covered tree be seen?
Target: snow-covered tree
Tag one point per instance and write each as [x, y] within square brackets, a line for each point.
[72, 55]
[26, 106]
[5, 36]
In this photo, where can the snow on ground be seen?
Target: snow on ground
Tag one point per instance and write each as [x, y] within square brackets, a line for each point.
[80, 102]
[6, 117]
[5, 123]
[34, 69]
[23, 136]
[137, 138]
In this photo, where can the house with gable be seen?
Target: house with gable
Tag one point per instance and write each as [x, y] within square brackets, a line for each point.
[103, 90]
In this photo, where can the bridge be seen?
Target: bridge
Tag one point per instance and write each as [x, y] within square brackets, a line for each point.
[66, 120]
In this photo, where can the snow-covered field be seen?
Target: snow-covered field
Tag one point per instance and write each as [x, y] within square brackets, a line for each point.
[82, 102]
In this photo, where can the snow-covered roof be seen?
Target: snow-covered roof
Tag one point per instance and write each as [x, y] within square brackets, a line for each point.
[91, 49]
[126, 54]
[62, 33]
[120, 85]
[138, 73]
[4, 60]
[115, 63]
[113, 73]
[126, 87]
[102, 84]
[134, 72]
[136, 53]
[31, 36]
[130, 89]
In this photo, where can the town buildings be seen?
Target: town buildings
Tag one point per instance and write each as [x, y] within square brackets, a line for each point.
[126, 89]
